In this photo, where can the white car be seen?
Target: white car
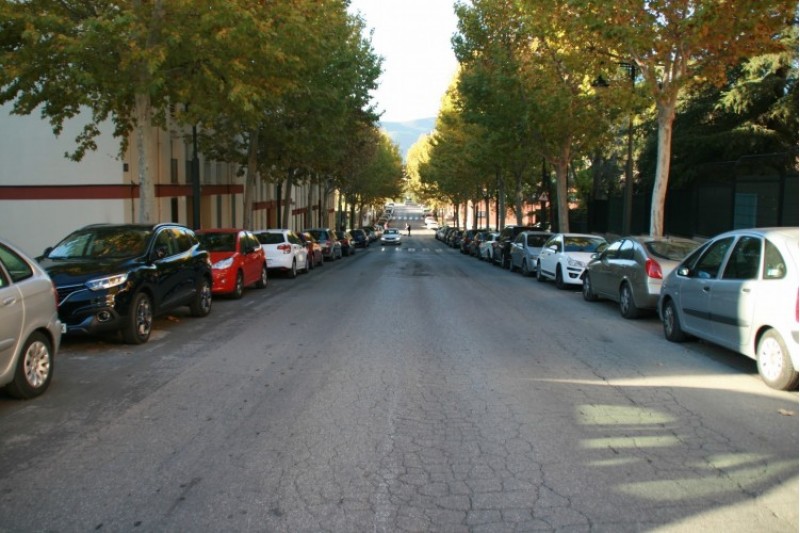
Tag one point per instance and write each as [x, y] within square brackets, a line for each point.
[285, 251]
[391, 236]
[486, 248]
[30, 331]
[431, 224]
[739, 290]
[564, 256]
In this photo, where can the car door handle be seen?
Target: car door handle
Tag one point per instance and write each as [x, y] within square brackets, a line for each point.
[745, 289]
[9, 301]
[706, 289]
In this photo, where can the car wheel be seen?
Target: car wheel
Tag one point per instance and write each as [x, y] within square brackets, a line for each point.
[627, 307]
[525, 270]
[774, 364]
[34, 368]
[309, 265]
[511, 267]
[672, 324]
[560, 278]
[201, 306]
[139, 322]
[293, 270]
[539, 276]
[238, 287]
[263, 280]
[588, 293]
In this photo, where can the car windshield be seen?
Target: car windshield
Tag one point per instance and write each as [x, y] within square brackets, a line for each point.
[391, 232]
[537, 241]
[318, 234]
[218, 242]
[673, 250]
[116, 243]
[269, 238]
[582, 244]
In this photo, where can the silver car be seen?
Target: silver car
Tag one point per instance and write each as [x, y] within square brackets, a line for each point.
[630, 271]
[525, 251]
[740, 290]
[30, 332]
[391, 236]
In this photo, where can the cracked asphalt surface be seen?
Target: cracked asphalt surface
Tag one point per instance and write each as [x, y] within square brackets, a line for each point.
[404, 389]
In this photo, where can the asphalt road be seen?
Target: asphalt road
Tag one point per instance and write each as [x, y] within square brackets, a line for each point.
[402, 389]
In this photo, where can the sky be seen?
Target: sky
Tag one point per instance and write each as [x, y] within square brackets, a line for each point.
[413, 38]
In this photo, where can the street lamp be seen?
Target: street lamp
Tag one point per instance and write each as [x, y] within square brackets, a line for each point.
[627, 193]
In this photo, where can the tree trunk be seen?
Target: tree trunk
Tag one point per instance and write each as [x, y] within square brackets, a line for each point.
[518, 197]
[250, 180]
[307, 218]
[562, 170]
[287, 199]
[501, 202]
[144, 133]
[666, 117]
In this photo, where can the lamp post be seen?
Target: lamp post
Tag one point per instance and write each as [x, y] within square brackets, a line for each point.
[627, 193]
[195, 181]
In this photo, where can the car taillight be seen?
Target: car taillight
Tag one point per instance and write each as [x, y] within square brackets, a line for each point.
[653, 269]
[285, 248]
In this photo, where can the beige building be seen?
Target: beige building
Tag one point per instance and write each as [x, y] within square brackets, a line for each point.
[44, 195]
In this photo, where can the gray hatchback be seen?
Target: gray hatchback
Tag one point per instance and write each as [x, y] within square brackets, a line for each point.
[740, 290]
[30, 332]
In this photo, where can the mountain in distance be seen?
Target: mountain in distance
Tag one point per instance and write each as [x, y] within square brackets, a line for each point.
[406, 133]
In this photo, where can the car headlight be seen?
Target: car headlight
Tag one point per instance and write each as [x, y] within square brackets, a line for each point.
[107, 282]
[222, 264]
[574, 263]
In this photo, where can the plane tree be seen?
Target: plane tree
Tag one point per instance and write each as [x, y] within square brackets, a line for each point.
[127, 62]
[677, 45]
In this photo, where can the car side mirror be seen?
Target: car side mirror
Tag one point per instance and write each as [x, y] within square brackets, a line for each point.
[684, 272]
[47, 251]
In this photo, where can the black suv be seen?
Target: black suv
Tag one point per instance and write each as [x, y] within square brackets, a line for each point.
[117, 277]
[502, 249]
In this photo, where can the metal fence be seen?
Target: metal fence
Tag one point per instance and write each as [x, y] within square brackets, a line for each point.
[755, 191]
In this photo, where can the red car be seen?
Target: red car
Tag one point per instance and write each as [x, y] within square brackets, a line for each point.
[237, 260]
[315, 257]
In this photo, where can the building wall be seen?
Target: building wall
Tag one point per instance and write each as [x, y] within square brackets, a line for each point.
[44, 196]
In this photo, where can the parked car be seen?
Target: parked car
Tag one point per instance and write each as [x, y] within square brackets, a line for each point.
[30, 331]
[525, 251]
[372, 234]
[360, 238]
[502, 248]
[740, 290]
[474, 246]
[347, 242]
[466, 240]
[237, 260]
[285, 251]
[564, 256]
[630, 271]
[326, 237]
[314, 250]
[391, 236]
[486, 247]
[431, 225]
[117, 277]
